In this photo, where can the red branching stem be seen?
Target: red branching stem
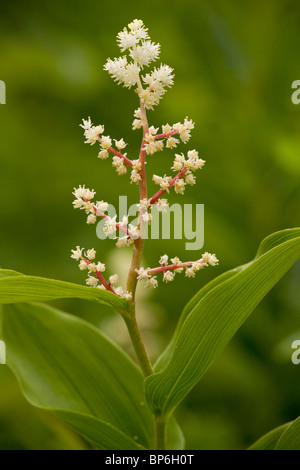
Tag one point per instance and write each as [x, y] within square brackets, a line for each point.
[100, 277]
[118, 154]
[165, 136]
[119, 227]
[179, 175]
[171, 267]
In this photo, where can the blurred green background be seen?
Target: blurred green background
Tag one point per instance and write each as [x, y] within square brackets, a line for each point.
[235, 62]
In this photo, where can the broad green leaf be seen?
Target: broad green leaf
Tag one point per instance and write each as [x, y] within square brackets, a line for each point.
[103, 435]
[269, 440]
[66, 365]
[8, 273]
[213, 321]
[290, 439]
[16, 288]
[268, 243]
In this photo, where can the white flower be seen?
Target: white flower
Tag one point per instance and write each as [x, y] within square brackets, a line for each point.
[210, 259]
[189, 124]
[101, 206]
[120, 144]
[92, 219]
[106, 142]
[166, 129]
[110, 225]
[80, 192]
[190, 179]
[123, 241]
[147, 217]
[168, 276]
[103, 154]
[114, 279]
[135, 177]
[138, 113]
[100, 267]
[119, 291]
[117, 161]
[134, 232]
[127, 295]
[137, 124]
[92, 267]
[190, 272]
[89, 195]
[77, 253]
[179, 186]
[165, 183]
[92, 281]
[78, 203]
[164, 260]
[162, 205]
[87, 124]
[121, 170]
[91, 135]
[172, 142]
[144, 204]
[177, 261]
[145, 53]
[136, 165]
[151, 282]
[88, 207]
[91, 254]
[83, 265]
[142, 273]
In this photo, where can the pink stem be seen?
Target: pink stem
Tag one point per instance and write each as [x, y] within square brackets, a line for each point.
[105, 217]
[118, 154]
[171, 267]
[156, 196]
[100, 277]
[165, 136]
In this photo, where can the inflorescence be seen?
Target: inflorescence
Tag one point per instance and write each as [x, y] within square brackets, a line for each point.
[128, 70]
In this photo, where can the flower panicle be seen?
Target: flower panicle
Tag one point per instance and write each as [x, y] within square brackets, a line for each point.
[177, 267]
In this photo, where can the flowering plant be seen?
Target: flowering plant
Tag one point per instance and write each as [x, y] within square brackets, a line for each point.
[67, 366]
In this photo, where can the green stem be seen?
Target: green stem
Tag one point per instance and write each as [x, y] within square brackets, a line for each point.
[137, 343]
[160, 433]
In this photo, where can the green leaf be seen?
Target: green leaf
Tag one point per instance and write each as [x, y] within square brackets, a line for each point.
[212, 322]
[67, 366]
[102, 435]
[8, 273]
[290, 439]
[17, 288]
[269, 440]
[268, 243]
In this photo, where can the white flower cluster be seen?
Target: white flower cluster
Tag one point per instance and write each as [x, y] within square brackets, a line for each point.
[95, 270]
[135, 173]
[84, 202]
[154, 143]
[91, 132]
[177, 267]
[142, 51]
[145, 205]
[187, 166]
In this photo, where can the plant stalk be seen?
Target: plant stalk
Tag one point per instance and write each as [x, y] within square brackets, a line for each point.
[160, 433]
